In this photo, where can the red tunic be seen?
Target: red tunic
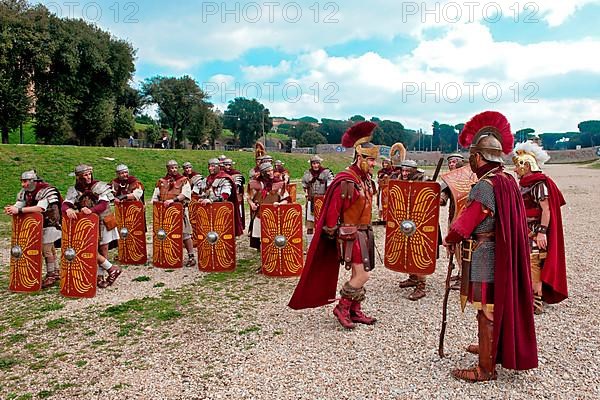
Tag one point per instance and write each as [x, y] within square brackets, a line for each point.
[554, 271]
[318, 283]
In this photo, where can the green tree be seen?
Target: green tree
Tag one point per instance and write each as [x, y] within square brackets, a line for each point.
[20, 53]
[176, 99]
[590, 133]
[357, 118]
[311, 139]
[523, 134]
[247, 119]
[333, 129]
[309, 120]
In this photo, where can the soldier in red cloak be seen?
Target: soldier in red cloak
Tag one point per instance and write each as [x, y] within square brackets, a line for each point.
[543, 201]
[345, 236]
[493, 227]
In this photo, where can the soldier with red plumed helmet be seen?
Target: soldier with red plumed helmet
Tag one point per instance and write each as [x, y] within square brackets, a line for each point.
[493, 231]
[345, 236]
[543, 201]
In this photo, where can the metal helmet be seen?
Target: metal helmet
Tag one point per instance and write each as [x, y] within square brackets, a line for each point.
[228, 161]
[455, 155]
[529, 153]
[83, 168]
[408, 164]
[267, 158]
[29, 176]
[121, 168]
[214, 161]
[488, 146]
[222, 157]
[172, 163]
[315, 158]
[187, 164]
[264, 167]
[279, 162]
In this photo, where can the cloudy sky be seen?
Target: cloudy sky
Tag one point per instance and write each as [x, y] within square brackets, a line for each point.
[415, 62]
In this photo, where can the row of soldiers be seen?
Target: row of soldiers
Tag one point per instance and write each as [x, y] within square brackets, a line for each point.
[268, 184]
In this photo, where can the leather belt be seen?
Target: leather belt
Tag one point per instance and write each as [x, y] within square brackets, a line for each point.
[484, 237]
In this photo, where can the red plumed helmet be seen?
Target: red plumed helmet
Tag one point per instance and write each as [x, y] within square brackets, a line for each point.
[486, 124]
[356, 132]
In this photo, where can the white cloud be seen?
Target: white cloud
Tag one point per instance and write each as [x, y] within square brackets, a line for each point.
[264, 72]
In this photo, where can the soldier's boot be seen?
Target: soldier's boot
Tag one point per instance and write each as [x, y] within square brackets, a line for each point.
[191, 261]
[419, 291]
[52, 273]
[342, 313]
[473, 348]
[356, 315]
[113, 274]
[455, 282]
[486, 369]
[101, 282]
[538, 304]
[411, 281]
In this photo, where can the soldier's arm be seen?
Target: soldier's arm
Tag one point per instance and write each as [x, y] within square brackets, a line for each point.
[471, 216]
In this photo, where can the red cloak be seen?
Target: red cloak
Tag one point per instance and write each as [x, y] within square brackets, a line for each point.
[514, 343]
[318, 283]
[554, 272]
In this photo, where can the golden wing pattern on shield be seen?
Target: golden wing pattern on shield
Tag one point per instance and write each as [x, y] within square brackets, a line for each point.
[459, 182]
[25, 271]
[128, 216]
[170, 220]
[224, 249]
[76, 277]
[417, 250]
[318, 206]
[201, 221]
[286, 222]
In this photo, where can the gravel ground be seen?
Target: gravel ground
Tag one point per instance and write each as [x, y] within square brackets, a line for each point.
[235, 338]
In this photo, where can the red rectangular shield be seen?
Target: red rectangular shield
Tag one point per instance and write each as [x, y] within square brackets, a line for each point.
[26, 253]
[215, 235]
[167, 235]
[131, 223]
[459, 182]
[281, 239]
[318, 201]
[78, 265]
[412, 227]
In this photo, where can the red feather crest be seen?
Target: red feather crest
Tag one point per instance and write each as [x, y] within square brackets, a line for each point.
[488, 119]
[356, 132]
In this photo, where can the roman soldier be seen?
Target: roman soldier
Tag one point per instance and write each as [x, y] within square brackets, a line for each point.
[239, 181]
[494, 233]
[176, 188]
[345, 236]
[266, 189]
[454, 161]
[315, 181]
[409, 171]
[281, 172]
[383, 176]
[259, 153]
[219, 186]
[91, 196]
[125, 186]
[543, 201]
[37, 196]
[193, 176]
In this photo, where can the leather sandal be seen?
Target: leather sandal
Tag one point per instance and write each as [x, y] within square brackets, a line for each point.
[101, 282]
[473, 348]
[50, 280]
[113, 274]
[475, 374]
[538, 304]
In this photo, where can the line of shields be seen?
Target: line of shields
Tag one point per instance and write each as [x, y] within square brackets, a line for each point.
[213, 236]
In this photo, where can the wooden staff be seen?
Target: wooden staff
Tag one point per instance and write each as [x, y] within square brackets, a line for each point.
[445, 304]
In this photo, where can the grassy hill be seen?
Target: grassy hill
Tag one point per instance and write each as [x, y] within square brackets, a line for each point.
[56, 163]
